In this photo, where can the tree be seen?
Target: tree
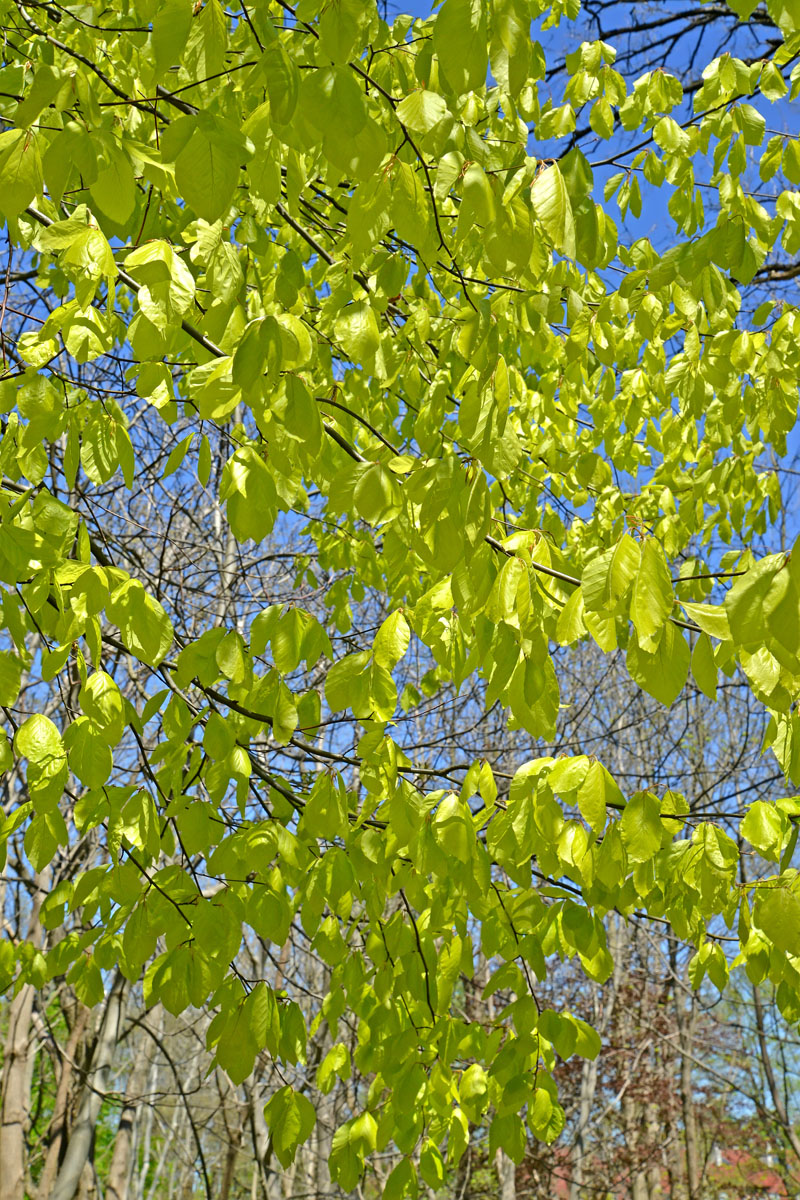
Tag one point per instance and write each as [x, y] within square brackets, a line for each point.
[344, 393]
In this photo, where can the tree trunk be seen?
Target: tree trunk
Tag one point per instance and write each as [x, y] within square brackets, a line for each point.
[15, 1091]
[59, 1122]
[120, 1170]
[587, 1094]
[156, 1014]
[231, 1155]
[506, 1176]
[686, 1024]
[81, 1138]
[87, 1184]
[786, 1126]
[655, 1170]
[15, 1100]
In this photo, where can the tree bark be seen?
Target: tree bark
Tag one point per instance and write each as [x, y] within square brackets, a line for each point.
[231, 1155]
[121, 1167]
[766, 1061]
[59, 1122]
[79, 1146]
[15, 1091]
[686, 1027]
[506, 1176]
[15, 1100]
[587, 1094]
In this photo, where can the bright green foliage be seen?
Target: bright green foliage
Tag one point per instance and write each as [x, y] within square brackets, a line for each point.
[328, 239]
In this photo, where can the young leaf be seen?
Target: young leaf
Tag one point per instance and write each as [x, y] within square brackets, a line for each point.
[553, 209]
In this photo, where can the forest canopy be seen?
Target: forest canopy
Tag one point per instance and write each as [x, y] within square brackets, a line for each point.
[400, 615]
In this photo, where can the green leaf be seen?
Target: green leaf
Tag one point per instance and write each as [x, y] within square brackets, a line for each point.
[453, 828]
[777, 911]
[206, 172]
[609, 575]
[38, 740]
[711, 619]
[401, 1181]
[101, 701]
[283, 81]
[171, 25]
[10, 677]
[461, 44]
[176, 456]
[652, 597]
[357, 332]
[6, 755]
[704, 668]
[421, 111]
[351, 1143]
[569, 1035]
[663, 673]
[258, 353]
[391, 641]
[641, 827]
[325, 814]
[204, 461]
[250, 1026]
[784, 14]
[168, 285]
[595, 792]
[553, 209]
[765, 827]
[252, 497]
[47, 82]
[545, 1117]
[210, 38]
[473, 1091]
[377, 495]
[752, 598]
[20, 170]
[114, 189]
[90, 756]
[571, 626]
[290, 1118]
[336, 1064]
[340, 683]
[431, 1165]
[144, 627]
[45, 833]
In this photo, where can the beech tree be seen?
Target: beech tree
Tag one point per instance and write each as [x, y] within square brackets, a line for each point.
[356, 371]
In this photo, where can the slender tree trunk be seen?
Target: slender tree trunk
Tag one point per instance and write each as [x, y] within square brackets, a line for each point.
[87, 1184]
[504, 1166]
[686, 1028]
[587, 1094]
[120, 1170]
[15, 1101]
[156, 1014]
[81, 1138]
[59, 1122]
[654, 1136]
[775, 1093]
[15, 1090]
[633, 1116]
[231, 1155]
[506, 1176]
[260, 1135]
